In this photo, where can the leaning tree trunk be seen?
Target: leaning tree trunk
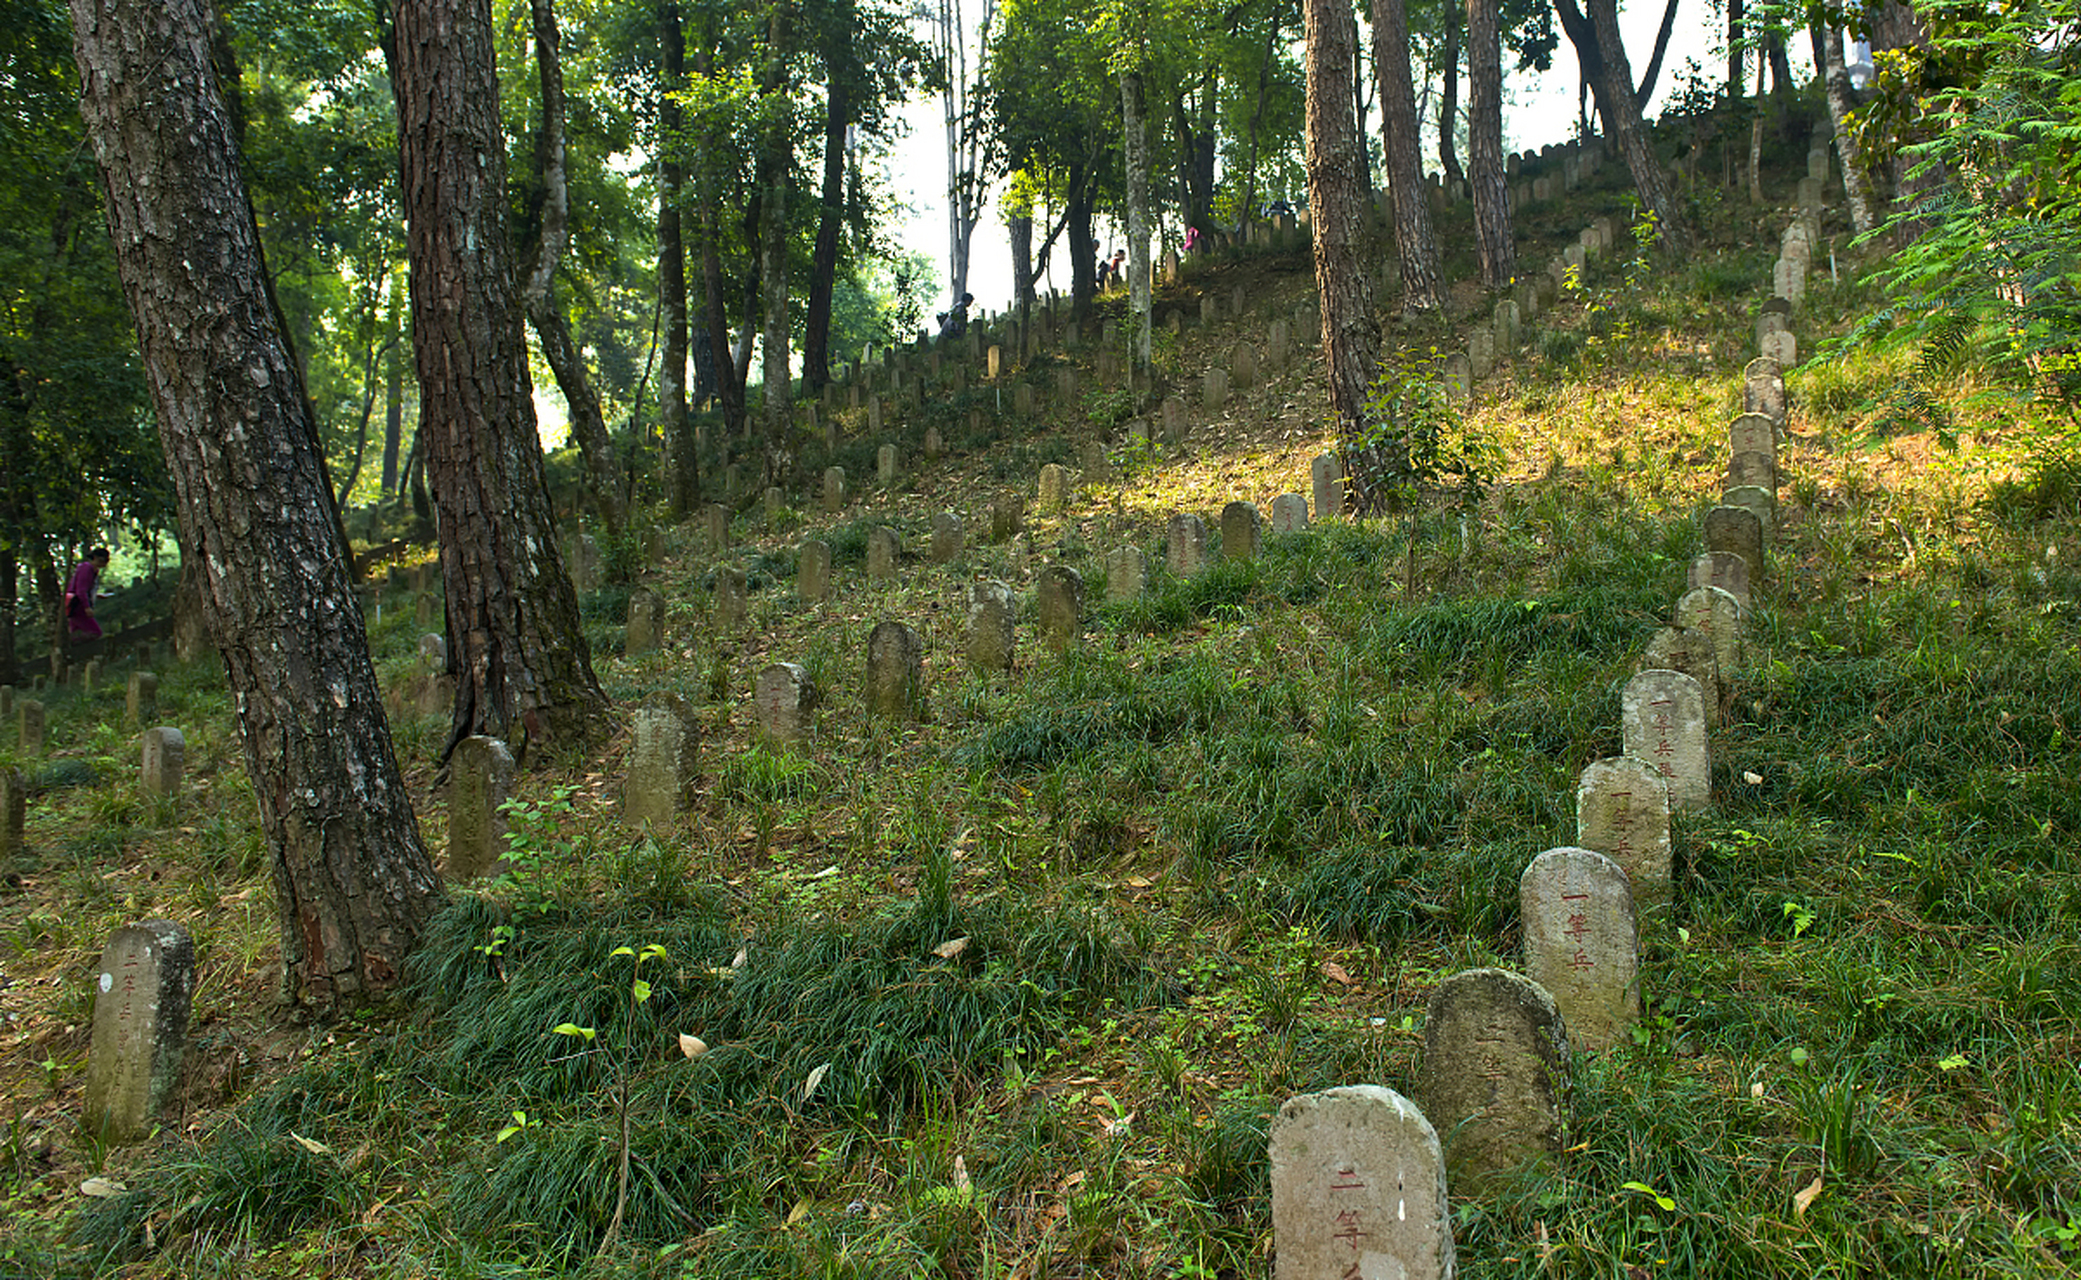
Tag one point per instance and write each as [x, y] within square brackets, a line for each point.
[354, 885]
[1416, 242]
[1336, 154]
[823, 264]
[1485, 146]
[684, 490]
[1449, 106]
[1136, 132]
[522, 667]
[1623, 115]
[1828, 51]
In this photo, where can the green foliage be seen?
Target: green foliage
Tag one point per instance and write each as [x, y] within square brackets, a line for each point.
[1424, 439]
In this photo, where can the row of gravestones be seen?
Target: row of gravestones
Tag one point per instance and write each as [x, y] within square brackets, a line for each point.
[163, 765]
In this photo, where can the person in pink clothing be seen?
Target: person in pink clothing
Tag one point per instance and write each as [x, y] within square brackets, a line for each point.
[79, 595]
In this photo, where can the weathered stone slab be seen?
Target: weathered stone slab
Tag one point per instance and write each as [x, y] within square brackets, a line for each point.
[1055, 482]
[992, 631]
[1692, 652]
[783, 701]
[1582, 943]
[1173, 420]
[1207, 308]
[884, 553]
[1494, 1059]
[1022, 401]
[1737, 530]
[813, 570]
[1007, 517]
[1066, 386]
[1060, 597]
[1457, 374]
[143, 989]
[895, 670]
[1240, 531]
[1763, 503]
[1725, 570]
[1622, 812]
[717, 528]
[14, 811]
[1508, 326]
[1278, 346]
[1781, 347]
[1662, 721]
[646, 629]
[949, 537]
[480, 779]
[664, 743]
[834, 489]
[165, 760]
[1127, 573]
[140, 698]
[1751, 468]
[1763, 390]
[1185, 540]
[1242, 366]
[1358, 1189]
[774, 503]
[28, 727]
[885, 465]
[1289, 513]
[1216, 390]
[1754, 433]
[1481, 351]
[732, 598]
[1326, 477]
[1717, 615]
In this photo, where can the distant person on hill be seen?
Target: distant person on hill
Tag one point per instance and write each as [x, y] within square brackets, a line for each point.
[1098, 273]
[1191, 241]
[1116, 270]
[79, 595]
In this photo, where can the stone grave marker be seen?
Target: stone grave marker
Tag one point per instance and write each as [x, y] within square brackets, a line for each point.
[90, 674]
[1289, 513]
[1278, 346]
[1216, 390]
[1763, 391]
[948, 537]
[1508, 326]
[1097, 464]
[718, 528]
[28, 726]
[935, 444]
[585, 559]
[1060, 596]
[775, 503]
[1207, 308]
[813, 570]
[1007, 517]
[1767, 323]
[14, 811]
[885, 465]
[664, 743]
[834, 489]
[1022, 401]
[1066, 385]
[1358, 1188]
[1751, 468]
[1763, 503]
[1582, 943]
[646, 629]
[1458, 376]
[993, 611]
[895, 670]
[1326, 476]
[1691, 651]
[1725, 570]
[1481, 351]
[884, 553]
[1185, 540]
[783, 700]
[1781, 347]
[141, 698]
[1127, 573]
[1173, 420]
[1240, 533]
[1054, 487]
[165, 760]
[1622, 812]
[1242, 366]
[1494, 1054]
[1238, 300]
[874, 415]
[1716, 614]
[143, 988]
[1737, 530]
[732, 598]
[480, 779]
[996, 360]
[1662, 721]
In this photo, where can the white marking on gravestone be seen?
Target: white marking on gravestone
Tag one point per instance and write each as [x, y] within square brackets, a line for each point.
[1054, 487]
[1326, 477]
[1358, 1189]
[1239, 531]
[992, 613]
[1622, 812]
[813, 570]
[1725, 570]
[480, 779]
[140, 698]
[1717, 614]
[1494, 1054]
[1289, 513]
[646, 629]
[1060, 592]
[834, 489]
[895, 670]
[732, 598]
[1737, 530]
[783, 699]
[1185, 544]
[144, 985]
[948, 537]
[884, 553]
[1127, 573]
[165, 757]
[1582, 942]
[664, 743]
[14, 810]
[1662, 721]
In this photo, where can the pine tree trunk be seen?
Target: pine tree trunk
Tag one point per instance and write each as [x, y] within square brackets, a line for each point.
[1836, 82]
[1336, 154]
[523, 671]
[1623, 115]
[354, 885]
[773, 248]
[1020, 229]
[684, 474]
[1415, 239]
[1137, 146]
[393, 391]
[1491, 186]
[1449, 105]
[823, 265]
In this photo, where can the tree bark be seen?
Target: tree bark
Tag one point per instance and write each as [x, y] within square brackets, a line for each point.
[1828, 51]
[684, 490]
[1737, 64]
[523, 670]
[1350, 332]
[1646, 92]
[1137, 146]
[773, 248]
[1623, 115]
[823, 267]
[1491, 185]
[1415, 240]
[1449, 105]
[354, 885]
[393, 392]
[1020, 229]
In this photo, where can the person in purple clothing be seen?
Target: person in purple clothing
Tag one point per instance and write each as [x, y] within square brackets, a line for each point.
[79, 595]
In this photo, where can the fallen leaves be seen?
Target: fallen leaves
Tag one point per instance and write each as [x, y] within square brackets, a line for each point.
[1806, 1196]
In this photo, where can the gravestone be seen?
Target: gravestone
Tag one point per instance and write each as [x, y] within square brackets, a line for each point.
[1173, 420]
[884, 553]
[140, 699]
[1096, 462]
[996, 360]
[1767, 323]
[1717, 615]
[1326, 477]
[732, 598]
[1358, 1188]
[1242, 366]
[480, 779]
[1278, 346]
[1622, 812]
[14, 811]
[165, 759]
[1022, 401]
[585, 561]
[663, 744]
[992, 617]
[783, 700]
[90, 674]
[1508, 326]
[1054, 487]
[1458, 377]
[813, 570]
[1751, 468]
[1494, 1054]
[775, 503]
[1725, 570]
[1060, 592]
[1239, 531]
[1738, 530]
[935, 444]
[1662, 721]
[1763, 391]
[1207, 308]
[1185, 544]
[1127, 573]
[1238, 300]
[143, 988]
[1066, 386]
[874, 415]
[1691, 651]
[718, 528]
[885, 465]
[895, 670]
[1289, 513]
[1481, 352]
[1007, 517]
[1216, 393]
[948, 536]
[28, 727]
[646, 630]
[1781, 347]
[834, 489]
[1582, 943]
[1763, 503]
